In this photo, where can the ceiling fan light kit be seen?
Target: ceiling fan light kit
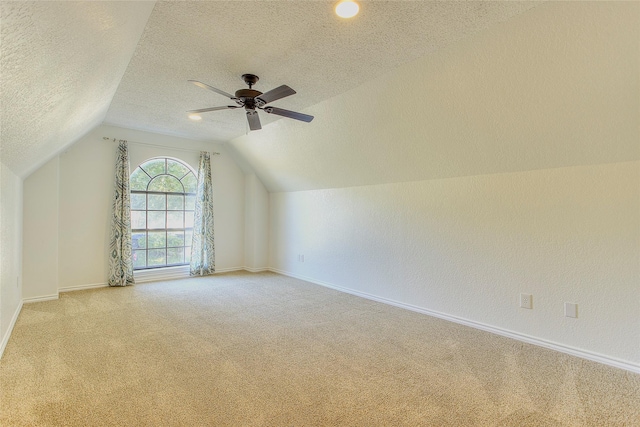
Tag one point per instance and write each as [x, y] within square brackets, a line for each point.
[252, 100]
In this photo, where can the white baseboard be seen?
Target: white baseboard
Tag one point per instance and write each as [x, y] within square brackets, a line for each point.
[40, 298]
[256, 270]
[6, 337]
[143, 276]
[573, 351]
[169, 273]
[82, 287]
[229, 270]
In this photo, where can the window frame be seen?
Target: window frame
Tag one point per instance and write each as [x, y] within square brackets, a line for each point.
[185, 230]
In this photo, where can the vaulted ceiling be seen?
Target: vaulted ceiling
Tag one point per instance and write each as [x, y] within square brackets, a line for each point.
[557, 86]
[70, 66]
[61, 64]
[406, 91]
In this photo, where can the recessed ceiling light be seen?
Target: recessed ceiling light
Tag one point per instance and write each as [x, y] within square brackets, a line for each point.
[347, 9]
[195, 117]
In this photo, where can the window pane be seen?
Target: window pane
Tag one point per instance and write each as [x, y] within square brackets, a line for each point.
[175, 255]
[157, 202]
[139, 201]
[152, 213]
[190, 203]
[138, 220]
[175, 238]
[175, 202]
[188, 219]
[139, 259]
[156, 257]
[176, 169]
[154, 167]
[156, 219]
[139, 180]
[157, 239]
[190, 183]
[139, 240]
[166, 184]
[175, 219]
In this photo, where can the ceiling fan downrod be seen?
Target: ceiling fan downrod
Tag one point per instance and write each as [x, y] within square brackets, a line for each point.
[250, 79]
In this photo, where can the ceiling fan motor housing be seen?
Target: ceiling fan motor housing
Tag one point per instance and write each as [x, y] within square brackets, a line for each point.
[247, 96]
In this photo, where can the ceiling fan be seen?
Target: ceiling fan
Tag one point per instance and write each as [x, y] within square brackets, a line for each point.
[252, 99]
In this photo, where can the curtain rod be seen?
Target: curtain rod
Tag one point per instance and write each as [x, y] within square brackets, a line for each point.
[106, 138]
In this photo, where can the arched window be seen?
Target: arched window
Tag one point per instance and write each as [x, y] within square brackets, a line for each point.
[162, 202]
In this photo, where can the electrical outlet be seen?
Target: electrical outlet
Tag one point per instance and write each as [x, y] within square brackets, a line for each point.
[302, 258]
[526, 301]
[570, 310]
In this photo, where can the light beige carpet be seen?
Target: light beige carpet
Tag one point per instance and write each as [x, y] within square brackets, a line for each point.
[247, 349]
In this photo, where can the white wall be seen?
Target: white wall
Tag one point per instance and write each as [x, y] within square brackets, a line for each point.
[40, 234]
[10, 251]
[86, 188]
[467, 247]
[84, 204]
[256, 242]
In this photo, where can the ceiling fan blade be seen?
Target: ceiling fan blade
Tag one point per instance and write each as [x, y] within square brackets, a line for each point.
[254, 120]
[290, 114]
[274, 94]
[204, 110]
[211, 88]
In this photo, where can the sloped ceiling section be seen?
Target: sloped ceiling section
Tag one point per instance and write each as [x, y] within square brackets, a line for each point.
[61, 65]
[553, 87]
[298, 43]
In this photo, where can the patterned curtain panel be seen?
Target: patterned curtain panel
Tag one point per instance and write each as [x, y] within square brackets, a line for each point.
[203, 248]
[120, 261]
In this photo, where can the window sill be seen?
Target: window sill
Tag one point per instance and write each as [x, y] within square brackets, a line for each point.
[164, 273]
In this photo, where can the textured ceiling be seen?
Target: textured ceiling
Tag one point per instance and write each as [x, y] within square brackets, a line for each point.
[554, 87]
[61, 64]
[69, 66]
[298, 43]
[408, 90]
